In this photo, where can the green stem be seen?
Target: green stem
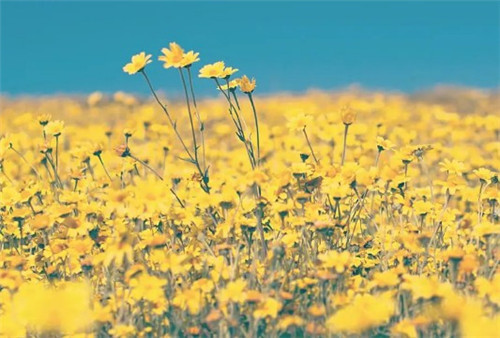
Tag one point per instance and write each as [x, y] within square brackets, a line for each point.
[345, 143]
[104, 167]
[202, 126]
[146, 165]
[164, 108]
[310, 146]
[256, 127]
[193, 133]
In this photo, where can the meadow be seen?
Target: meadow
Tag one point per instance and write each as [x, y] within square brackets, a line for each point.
[323, 214]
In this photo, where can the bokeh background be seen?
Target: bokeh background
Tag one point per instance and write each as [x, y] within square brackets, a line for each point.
[80, 47]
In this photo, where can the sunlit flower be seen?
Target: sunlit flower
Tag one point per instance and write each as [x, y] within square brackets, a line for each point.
[247, 85]
[139, 61]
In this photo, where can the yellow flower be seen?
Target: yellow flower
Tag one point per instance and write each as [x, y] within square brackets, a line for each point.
[172, 57]
[233, 292]
[139, 61]
[268, 308]
[65, 308]
[484, 175]
[228, 71]
[422, 208]
[348, 115]
[452, 167]
[299, 122]
[404, 328]
[54, 128]
[247, 85]
[147, 287]
[189, 58]
[43, 119]
[384, 144]
[290, 320]
[334, 259]
[233, 84]
[212, 71]
[366, 311]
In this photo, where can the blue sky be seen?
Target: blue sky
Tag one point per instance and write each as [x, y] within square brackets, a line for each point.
[80, 47]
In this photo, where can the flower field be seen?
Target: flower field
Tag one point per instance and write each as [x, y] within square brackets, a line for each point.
[320, 214]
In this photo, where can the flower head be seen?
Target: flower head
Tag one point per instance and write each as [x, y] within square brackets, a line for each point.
[189, 58]
[212, 71]
[139, 61]
[172, 57]
[247, 85]
[348, 115]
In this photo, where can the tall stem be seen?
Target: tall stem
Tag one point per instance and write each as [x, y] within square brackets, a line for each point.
[310, 146]
[256, 127]
[104, 167]
[193, 133]
[237, 123]
[345, 143]
[146, 165]
[172, 123]
[202, 126]
[57, 154]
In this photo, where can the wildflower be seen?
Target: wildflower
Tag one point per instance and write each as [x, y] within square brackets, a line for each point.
[299, 121]
[43, 119]
[233, 292]
[215, 70]
[348, 115]
[384, 144]
[268, 308]
[246, 85]
[189, 58]
[365, 312]
[452, 167]
[484, 175]
[54, 128]
[173, 56]
[139, 61]
[333, 259]
[147, 287]
[233, 84]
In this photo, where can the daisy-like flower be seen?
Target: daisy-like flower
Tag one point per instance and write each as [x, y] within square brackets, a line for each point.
[299, 122]
[247, 85]
[348, 115]
[228, 71]
[233, 84]
[139, 61]
[212, 71]
[189, 58]
[172, 56]
[217, 70]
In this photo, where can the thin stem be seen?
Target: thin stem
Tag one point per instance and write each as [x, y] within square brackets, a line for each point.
[345, 143]
[6, 176]
[193, 133]
[104, 167]
[58, 180]
[310, 146]
[198, 117]
[238, 124]
[177, 197]
[166, 113]
[377, 158]
[256, 126]
[146, 165]
[235, 98]
[194, 160]
[57, 155]
[26, 161]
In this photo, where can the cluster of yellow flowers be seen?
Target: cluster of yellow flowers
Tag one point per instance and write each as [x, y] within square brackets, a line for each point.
[349, 213]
